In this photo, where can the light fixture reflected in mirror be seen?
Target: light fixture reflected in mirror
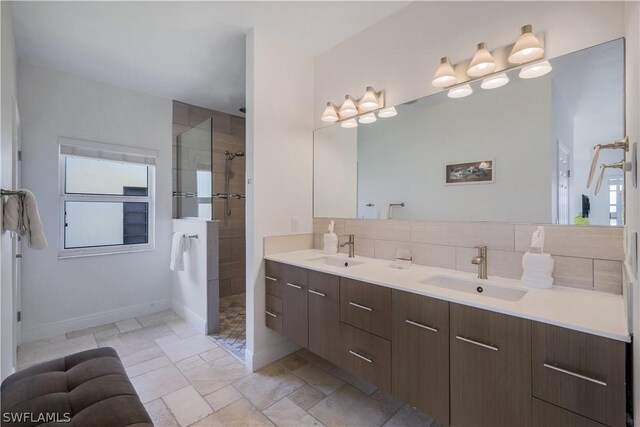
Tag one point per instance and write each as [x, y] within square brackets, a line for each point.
[348, 108]
[349, 124]
[445, 74]
[482, 62]
[369, 101]
[367, 118]
[388, 112]
[527, 47]
[460, 91]
[494, 82]
[330, 114]
[535, 70]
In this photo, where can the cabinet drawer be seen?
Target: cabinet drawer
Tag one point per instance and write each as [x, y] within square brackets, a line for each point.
[366, 306]
[273, 278]
[366, 355]
[581, 372]
[548, 415]
[273, 313]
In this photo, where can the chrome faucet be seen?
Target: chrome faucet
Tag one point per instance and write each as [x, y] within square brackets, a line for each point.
[352, 245]
[481, 261]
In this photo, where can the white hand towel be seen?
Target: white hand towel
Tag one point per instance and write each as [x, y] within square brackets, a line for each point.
[21, 215]
[177, 252]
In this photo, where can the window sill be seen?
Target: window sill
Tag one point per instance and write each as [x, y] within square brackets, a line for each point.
[92, 252]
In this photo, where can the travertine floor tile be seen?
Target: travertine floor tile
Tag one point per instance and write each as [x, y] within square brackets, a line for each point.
[109, 329]
[182, 328]
[157, 318]
[160, 414]
[128, 325]
[355, 381]
[237, 414]
[293, 362]
[316, 360]
[188, 347]
[216, 374]
[223, 397]
[322, 380]
[410, 417]
[190, 363]
[39, 352]
[306, 397]
[213, 354]
[148, 366]
[286, 413]
[187, 405]
[141, 355]
[268, 385]
[158, 383]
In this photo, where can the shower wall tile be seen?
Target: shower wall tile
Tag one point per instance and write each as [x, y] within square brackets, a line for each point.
[180, 113]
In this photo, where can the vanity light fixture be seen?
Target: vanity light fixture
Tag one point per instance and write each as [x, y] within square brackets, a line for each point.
[349, 124]
[330, 114]
[348, 108]
[494, 82]
[388, 112]
[369, 101]
[445, 75]
[367, 118]
[526, 48]
[482, 62]
[460, 91]
[535, 70]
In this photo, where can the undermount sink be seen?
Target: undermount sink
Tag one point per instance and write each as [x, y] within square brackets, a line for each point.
[337, 261]
[482, 288]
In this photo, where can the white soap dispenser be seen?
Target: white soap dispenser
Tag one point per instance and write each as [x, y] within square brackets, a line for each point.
[537, 267]
[330, 240]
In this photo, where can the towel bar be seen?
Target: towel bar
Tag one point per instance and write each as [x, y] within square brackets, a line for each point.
[192, 236]
[12, 192]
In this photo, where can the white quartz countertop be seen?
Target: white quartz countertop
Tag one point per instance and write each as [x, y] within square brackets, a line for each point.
[581, 310]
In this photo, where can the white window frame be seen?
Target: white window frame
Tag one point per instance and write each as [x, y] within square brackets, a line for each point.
[87, 149]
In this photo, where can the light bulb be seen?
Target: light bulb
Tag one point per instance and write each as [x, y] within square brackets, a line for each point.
[496, 81]
[445, 74]
[388, 112]
[348, 108]
[482, 62]
[367, 118]
[369, 101]
[349, 124]
[330, 115]
[460, 91]
[535, 70]
[527, 47]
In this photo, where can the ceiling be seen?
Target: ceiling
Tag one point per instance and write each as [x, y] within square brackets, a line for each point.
[189, 51]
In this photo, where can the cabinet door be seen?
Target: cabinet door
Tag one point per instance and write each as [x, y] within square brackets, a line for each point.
[420, 353]
[324, 315]
[490, 368]
[295, 311]
[366, 306]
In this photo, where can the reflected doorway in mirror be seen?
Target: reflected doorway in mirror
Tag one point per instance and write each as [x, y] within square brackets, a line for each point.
[480, 172]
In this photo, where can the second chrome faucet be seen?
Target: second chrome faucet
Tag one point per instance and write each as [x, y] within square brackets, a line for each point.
[352, 245]
[481, 261]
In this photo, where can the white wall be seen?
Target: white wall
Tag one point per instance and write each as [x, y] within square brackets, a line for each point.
[70, 294]
[400, 53]
[8, 95]
[279, 170]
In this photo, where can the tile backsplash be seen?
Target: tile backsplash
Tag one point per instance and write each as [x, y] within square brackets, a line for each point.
[585, 257]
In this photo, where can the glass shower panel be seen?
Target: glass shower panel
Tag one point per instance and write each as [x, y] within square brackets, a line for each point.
[194, 180]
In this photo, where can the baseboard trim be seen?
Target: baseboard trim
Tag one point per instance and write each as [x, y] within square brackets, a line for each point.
[255, 361]
[82, 322]
[191, 318]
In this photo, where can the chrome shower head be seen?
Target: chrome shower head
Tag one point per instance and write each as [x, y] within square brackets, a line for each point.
[230, 156]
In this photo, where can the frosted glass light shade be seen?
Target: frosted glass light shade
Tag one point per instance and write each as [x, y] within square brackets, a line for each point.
[330, 114]
[482, 62]
[367, 118]
[348, 124]
[527, 47]
[369, 101]
[388, 112]
[535, 70]
[496, 81]
[348, 108]
[445, 74]
[460, 91]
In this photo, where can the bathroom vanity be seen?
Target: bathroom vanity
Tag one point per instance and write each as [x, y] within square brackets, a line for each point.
[505, 356]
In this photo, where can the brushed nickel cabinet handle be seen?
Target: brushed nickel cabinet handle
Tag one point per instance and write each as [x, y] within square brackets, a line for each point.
[317, 293]
[490, 347]
[575, 374]
[273, 279]
[294, 286]
[270, 313]
[420, 325]
[356, 354]
[364, 307]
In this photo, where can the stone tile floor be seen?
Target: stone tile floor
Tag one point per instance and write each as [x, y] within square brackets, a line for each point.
[187, 379]
[232, 334]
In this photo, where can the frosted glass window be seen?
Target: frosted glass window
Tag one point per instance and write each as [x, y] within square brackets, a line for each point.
[203, 183]
[95, 176]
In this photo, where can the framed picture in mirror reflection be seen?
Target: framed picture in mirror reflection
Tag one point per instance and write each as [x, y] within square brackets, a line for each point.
[479, 172]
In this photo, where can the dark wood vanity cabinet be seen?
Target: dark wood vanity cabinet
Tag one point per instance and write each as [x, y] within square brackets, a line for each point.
[548, 415]
[324, 315]
[366, 306]
[420, 353]
[366, 355]
[490, 368]
[295, 309]
[580, 372]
